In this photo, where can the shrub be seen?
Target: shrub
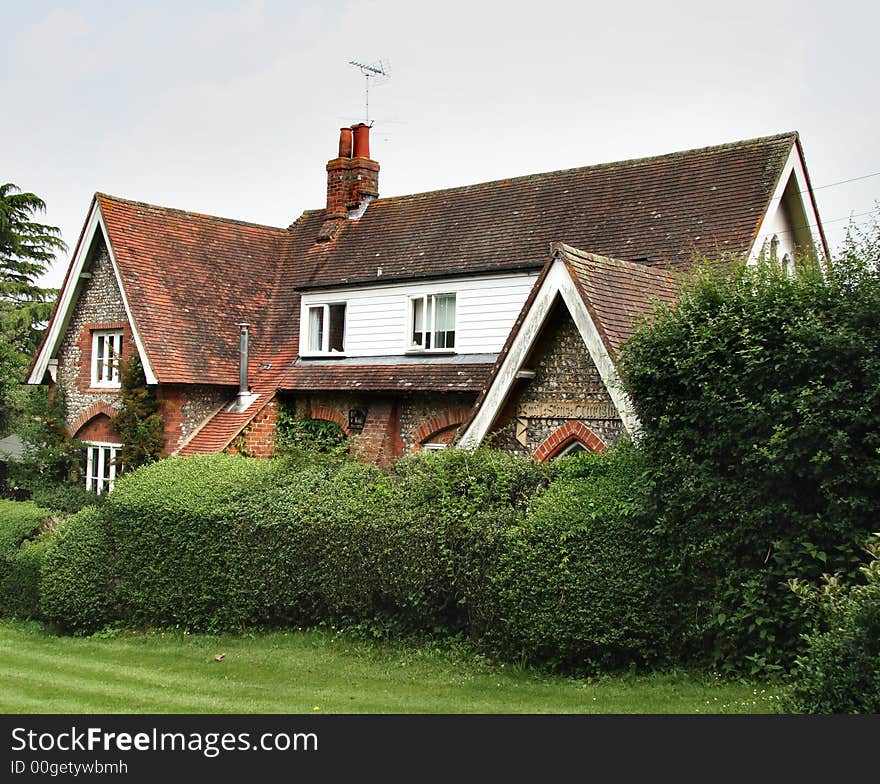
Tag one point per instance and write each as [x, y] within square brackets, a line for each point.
[138, 422]
[407, 553]
[759, 395]
[174, 526]
[303, 436]
[21, 551]
[64, 497]
[78, 586]
[840, 670]
[580, 585]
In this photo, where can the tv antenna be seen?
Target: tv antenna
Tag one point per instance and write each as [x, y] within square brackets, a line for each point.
[371, 71]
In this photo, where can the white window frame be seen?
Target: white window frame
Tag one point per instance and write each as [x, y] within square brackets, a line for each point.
[432, 447]
[325, 337]
[108, 376]
[429, 313]
[575, 446]
[96, 466]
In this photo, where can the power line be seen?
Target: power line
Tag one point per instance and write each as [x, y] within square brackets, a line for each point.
[824, 223]
[843, 182]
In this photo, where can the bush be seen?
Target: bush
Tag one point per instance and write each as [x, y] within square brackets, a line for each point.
[21, 552]
[405, 553]
[78, 586]
[223, 542]
[64, 497]
[759, 395]
[580, 584]
[175, 528]
[840, 670]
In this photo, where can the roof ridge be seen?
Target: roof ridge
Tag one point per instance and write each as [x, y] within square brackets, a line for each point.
[190, 213]
[583, 255]
[735, 145]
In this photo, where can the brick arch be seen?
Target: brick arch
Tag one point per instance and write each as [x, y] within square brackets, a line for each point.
[331, 414]
[89, 414]
[564, 436]
[444, 421]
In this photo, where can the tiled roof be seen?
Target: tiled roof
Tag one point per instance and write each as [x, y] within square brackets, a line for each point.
[618, 294]
[189, 279]
[660, 209]
[437, 377]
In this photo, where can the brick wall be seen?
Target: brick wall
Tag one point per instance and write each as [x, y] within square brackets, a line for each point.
[258, 438]
[395, 425]
[564, 373]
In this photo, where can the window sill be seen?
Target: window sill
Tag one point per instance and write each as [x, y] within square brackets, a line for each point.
[98, 388]
[322, 355]
[441, 352]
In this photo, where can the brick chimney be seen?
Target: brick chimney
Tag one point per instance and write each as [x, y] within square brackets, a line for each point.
[352, 179]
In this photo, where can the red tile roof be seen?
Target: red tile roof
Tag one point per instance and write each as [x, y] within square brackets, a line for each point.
[189, 279]
[388, 378]
[618, 294]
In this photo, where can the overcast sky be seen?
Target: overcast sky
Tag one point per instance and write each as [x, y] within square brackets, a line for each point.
[233, 108]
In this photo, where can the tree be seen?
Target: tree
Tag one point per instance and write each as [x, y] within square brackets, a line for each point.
[138, 422]
[26, 250]
[759, 397]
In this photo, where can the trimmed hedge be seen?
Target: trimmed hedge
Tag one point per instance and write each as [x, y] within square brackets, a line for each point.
[175, 527]
[21, 553]
[580, 585]
[79, 584]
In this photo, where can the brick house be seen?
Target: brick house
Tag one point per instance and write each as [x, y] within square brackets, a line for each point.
[489, 313]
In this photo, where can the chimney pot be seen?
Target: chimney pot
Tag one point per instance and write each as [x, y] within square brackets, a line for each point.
[345, 135]
[361, 140]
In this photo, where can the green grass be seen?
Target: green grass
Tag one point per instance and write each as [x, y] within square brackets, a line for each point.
[317, 671]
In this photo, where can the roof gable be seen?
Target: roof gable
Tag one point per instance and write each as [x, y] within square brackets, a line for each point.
[605, 298]
[190, 279]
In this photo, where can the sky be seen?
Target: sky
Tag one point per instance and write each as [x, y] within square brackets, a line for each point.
[233, 108]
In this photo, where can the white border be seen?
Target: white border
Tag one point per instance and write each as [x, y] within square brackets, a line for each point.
[557, 281]
[794, 167]
[67, 301]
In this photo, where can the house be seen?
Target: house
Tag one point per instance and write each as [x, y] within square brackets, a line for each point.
[489, 313]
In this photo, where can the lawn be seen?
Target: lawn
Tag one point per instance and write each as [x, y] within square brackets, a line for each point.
[318, 671]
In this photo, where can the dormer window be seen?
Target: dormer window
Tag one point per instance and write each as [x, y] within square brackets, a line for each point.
[326, 328]
[106, 352]
[432, 322]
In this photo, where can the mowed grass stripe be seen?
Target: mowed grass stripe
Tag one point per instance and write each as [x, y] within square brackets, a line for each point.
[296, 672]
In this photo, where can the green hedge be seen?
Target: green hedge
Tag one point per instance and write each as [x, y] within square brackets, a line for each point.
[21, 553]
[175, 527]
[759, 396]
[79, 583]
[580, 584]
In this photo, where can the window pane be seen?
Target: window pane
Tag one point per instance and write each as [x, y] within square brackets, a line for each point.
[316, 328]
[115, 354]
[444, 321]
[99, 352]
[337, 327]
[418, 321]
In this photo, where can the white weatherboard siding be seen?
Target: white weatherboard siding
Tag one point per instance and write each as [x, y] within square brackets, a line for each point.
[376, 319]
